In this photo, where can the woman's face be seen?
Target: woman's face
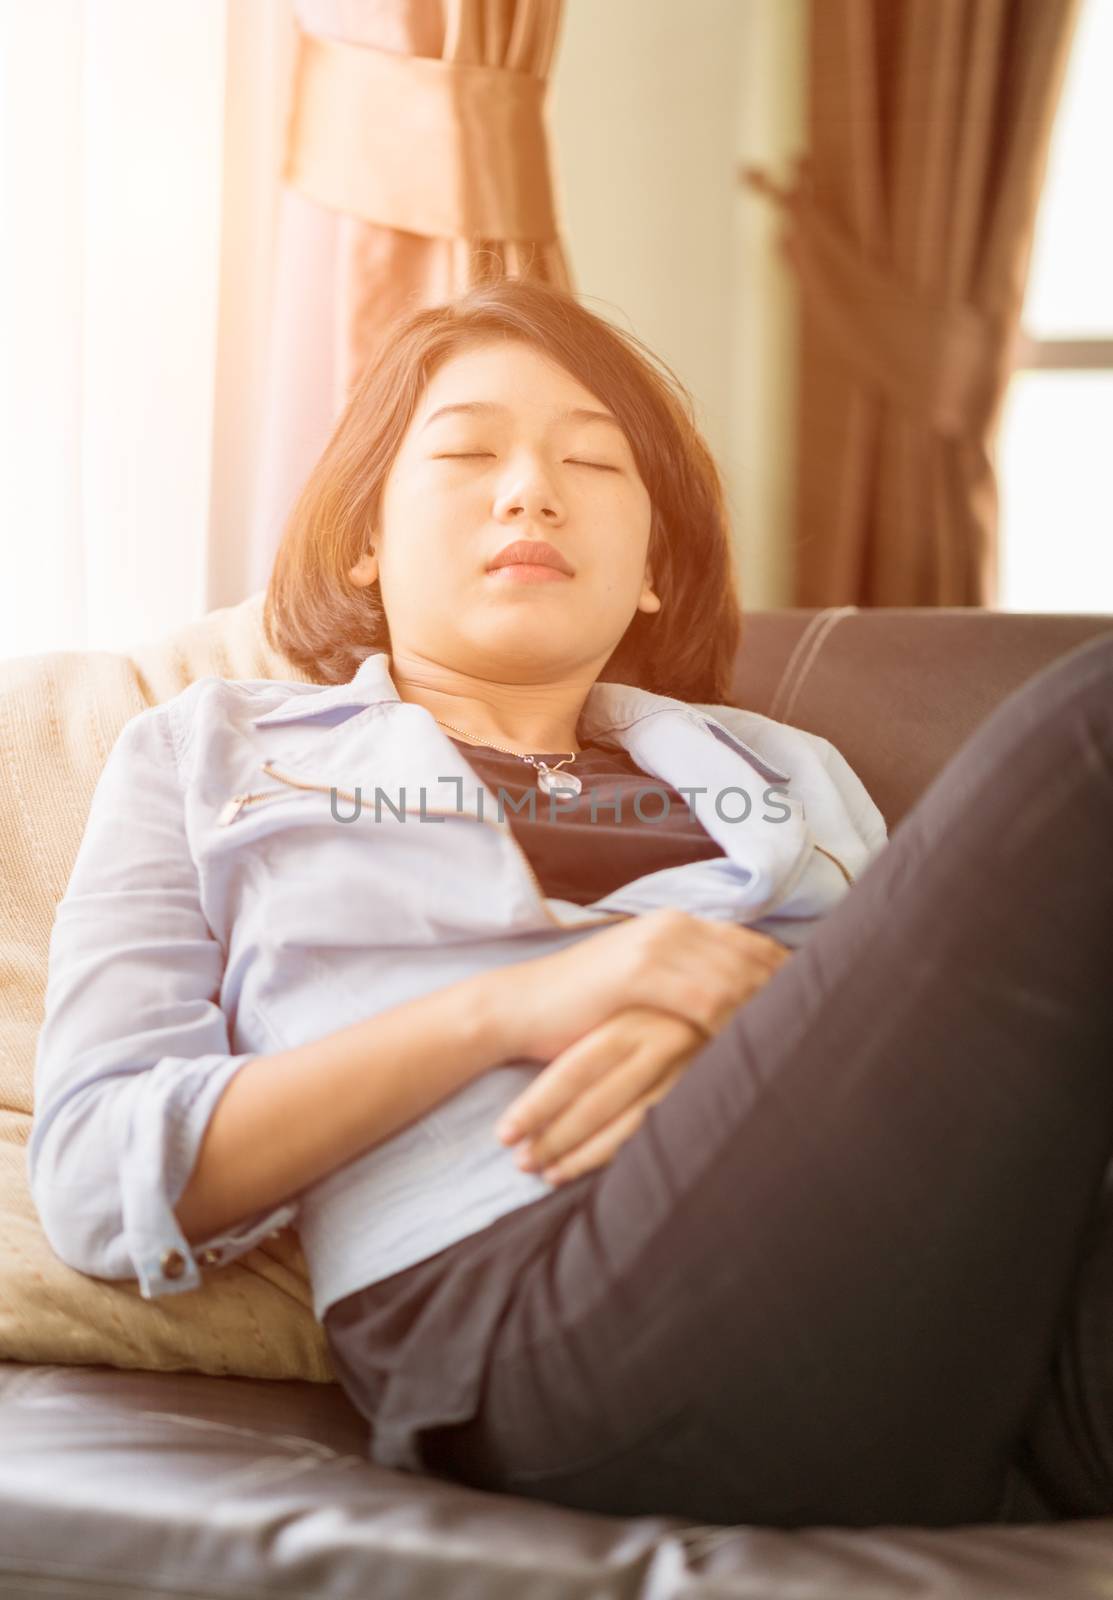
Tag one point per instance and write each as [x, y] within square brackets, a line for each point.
[465, 484]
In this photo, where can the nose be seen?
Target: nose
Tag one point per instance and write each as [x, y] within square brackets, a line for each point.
[530, 496]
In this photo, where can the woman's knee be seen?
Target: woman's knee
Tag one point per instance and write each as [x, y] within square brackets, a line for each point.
[1082, 674]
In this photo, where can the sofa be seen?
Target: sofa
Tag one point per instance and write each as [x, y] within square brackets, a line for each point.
[158, 1449]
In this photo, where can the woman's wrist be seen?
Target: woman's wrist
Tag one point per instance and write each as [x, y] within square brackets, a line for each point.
[488, 1015]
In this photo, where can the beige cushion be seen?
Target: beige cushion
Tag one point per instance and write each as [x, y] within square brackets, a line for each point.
[60, 714]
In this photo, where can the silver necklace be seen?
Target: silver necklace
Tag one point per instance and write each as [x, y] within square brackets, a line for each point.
[548, 777]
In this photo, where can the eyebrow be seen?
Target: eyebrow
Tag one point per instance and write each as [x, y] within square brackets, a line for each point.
[573, 414]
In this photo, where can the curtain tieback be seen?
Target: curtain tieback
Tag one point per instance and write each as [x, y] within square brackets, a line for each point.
[442, 148]
[945, 364]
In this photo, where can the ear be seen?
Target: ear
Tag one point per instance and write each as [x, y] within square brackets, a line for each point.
[366, 569]
[647, 600]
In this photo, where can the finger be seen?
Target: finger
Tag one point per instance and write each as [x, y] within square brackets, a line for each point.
[766, 943]
[596, 1151]
[757, 953]
[707, 995]
[599, 1149]
[661, 1089]
[565, 1078]
[744, 970]
[762, 947]
[621, 1087]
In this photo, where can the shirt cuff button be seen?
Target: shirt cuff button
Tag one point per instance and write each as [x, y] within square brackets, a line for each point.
[173, 1263]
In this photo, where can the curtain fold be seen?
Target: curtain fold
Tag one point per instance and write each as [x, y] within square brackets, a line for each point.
[422, 123]
[909, 227]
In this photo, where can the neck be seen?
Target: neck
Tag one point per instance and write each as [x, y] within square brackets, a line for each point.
[526, 718]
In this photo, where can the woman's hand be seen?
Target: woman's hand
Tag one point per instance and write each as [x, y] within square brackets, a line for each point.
[594, 1096]
[694, 967]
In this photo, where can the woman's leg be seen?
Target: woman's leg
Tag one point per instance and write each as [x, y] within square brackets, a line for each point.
[1066, 1455]
[825, 1280]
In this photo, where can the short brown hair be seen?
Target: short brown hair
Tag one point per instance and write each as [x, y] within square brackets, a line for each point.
[327, 625]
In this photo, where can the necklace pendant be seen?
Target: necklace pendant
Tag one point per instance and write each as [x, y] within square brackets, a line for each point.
[549, 778]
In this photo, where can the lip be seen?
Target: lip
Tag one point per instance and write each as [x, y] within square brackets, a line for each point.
[532, 554]
[529, 572]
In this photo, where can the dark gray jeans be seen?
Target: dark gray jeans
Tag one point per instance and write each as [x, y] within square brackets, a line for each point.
[856, 1268]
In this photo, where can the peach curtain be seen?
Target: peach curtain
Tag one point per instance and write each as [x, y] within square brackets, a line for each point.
[421, 123]
[909, 227]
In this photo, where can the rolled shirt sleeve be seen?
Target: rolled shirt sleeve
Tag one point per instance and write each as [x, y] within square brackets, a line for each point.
[133, 1053]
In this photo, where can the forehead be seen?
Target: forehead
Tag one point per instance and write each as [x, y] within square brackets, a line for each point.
[499, 380]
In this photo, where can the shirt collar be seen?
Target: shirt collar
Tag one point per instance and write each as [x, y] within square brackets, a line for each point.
[608, 707]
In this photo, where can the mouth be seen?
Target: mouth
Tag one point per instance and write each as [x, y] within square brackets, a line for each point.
[531, 555]
[527, 572]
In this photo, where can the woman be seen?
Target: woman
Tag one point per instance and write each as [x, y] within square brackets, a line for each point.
[818, 1169]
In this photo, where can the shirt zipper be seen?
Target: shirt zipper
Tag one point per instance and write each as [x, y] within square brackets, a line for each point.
[765, 766]
[232, 808]
[832, 857]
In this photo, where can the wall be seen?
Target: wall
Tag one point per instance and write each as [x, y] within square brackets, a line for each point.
[652, 105]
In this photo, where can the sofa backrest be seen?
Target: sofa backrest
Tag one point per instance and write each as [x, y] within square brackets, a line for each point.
[897, 691]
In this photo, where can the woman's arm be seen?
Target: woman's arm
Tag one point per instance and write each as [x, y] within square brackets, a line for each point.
[134, 1047]
[289, 1119]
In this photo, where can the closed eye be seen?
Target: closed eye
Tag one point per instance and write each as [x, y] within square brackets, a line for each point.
[475, 455]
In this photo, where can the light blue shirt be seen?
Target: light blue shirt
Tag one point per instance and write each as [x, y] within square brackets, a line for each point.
[220, 908]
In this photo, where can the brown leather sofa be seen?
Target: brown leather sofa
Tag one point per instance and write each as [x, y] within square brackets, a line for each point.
[135, 1483]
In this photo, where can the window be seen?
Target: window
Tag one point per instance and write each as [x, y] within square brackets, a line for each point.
[1055, 449]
